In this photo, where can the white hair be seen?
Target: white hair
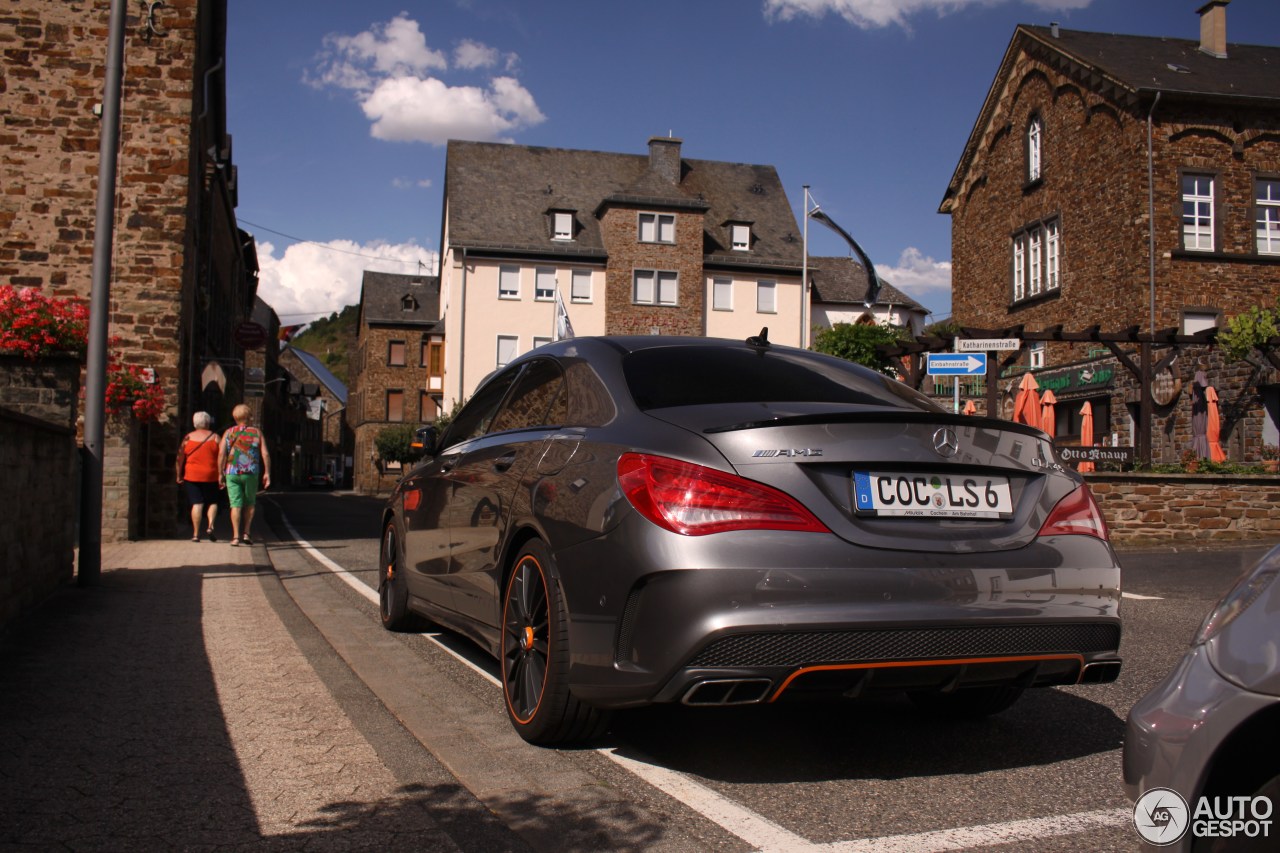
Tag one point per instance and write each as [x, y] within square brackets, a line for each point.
[202, 420]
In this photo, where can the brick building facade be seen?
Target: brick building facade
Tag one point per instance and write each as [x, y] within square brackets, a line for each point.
[1055, 219]
[396, 373]
[182, 276]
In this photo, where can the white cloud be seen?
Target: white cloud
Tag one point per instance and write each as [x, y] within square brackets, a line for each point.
[410, 109]
[410, 183]
[472, 54]
[308, 280]
[387, 67]
[922, 278]
[873, 14]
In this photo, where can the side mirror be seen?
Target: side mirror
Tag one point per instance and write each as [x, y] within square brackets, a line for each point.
[425, 440]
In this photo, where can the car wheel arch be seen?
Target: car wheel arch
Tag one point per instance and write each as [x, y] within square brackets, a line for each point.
[1235, 768]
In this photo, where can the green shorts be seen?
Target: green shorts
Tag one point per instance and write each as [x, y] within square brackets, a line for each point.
[242, 489]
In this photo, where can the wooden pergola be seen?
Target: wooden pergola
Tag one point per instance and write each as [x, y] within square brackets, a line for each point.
[1144, 371]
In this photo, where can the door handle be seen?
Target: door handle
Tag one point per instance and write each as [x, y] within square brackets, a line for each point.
[447, 462]
[502, 463]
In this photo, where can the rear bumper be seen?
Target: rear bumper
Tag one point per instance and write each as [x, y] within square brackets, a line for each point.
[819, 616]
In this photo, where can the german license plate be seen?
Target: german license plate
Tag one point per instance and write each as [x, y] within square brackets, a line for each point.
[921, 495]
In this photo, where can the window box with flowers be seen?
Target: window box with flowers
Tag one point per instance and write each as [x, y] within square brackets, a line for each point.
[42, 342]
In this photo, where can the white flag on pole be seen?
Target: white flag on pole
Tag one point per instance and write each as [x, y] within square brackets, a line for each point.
[564, 329]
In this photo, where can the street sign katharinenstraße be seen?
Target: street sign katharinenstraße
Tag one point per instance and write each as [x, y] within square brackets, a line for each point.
[987, 344]
[956, 364]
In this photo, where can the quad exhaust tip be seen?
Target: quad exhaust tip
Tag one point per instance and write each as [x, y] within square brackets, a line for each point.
[1100, 672]
[728, 691]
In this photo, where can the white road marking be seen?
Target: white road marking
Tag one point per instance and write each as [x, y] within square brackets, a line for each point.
[1142, 597]
[763, 834]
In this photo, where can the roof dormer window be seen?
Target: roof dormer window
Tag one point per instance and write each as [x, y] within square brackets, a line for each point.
[408, 303]
[562, 225]
[740, 237]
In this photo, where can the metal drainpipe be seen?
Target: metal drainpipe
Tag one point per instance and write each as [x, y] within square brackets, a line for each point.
[462, 329]
[1151, 214]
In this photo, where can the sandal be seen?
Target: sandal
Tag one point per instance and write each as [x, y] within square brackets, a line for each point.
[235, 541]
[212, 537]
[195, 538]
[246, 540]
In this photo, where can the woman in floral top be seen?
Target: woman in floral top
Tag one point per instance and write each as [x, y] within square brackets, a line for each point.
[242, 458]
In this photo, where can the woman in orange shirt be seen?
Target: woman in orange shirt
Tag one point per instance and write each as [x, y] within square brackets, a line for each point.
[198, 473]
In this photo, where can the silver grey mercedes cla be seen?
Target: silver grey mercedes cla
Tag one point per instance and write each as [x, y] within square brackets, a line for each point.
[633, 520]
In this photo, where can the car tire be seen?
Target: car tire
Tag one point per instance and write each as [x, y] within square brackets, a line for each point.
[969, 701]
[535, 657]
[393, 591]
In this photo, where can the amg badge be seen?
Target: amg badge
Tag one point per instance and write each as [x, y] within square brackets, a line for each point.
[797, 451]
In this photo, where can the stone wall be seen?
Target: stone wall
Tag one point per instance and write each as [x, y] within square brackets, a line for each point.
[1162, 508]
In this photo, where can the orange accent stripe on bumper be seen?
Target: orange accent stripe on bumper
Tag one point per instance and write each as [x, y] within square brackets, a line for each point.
[899, 664]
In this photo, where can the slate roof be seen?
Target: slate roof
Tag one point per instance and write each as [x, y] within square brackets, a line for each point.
[841, 280]
[498, 198]
[1174, 67]
[382, 299]
[335, 385]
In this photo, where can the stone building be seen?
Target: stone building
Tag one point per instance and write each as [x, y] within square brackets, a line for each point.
[397, 371]
[628, 244]
[329, 405]
[184, 275]
[838, 294]
[1124, 181]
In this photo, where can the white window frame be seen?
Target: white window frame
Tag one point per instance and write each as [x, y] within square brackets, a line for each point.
[508, 282]
[1035, 261]
[1196, 321]
[722, 294]
[657, 227]
[1035, 141]
[580, 286]
[1053, 256]
[562, 226]
[1019, 267]
[655, 287]
[1035, 354]
[544, 284]
[740, 237]
[1199, 212]
[539, 341]
[766, 297]
[1266, 201]
[508, 345]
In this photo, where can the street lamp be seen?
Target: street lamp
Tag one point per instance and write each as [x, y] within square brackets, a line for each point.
[816, 212]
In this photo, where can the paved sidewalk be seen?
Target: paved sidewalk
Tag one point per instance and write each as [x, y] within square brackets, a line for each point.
[172, 707]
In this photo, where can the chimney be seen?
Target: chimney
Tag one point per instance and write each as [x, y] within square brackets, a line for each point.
[1053, 29]
[664, 158]
[1213, 28]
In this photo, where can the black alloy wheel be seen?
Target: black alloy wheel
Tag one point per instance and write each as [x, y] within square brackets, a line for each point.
[535, 657]
[393, 593]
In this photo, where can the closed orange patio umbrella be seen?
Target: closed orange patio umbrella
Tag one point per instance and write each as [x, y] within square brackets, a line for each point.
[1048, 414]
[970, 408]
[1213, 432]
[1086, 434]
[1026, 407]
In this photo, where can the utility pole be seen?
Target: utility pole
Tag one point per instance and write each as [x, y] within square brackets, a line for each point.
[90, 569]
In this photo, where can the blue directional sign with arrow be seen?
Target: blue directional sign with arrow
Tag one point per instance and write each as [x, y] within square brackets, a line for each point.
[956, 363]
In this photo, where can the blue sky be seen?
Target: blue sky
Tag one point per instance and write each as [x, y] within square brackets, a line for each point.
[340, 110]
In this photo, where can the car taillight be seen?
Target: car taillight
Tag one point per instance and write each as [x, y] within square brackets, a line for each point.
[693, 500]
[1077, 513]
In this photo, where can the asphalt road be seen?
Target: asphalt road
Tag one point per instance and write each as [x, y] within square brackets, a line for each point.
[1043, 776]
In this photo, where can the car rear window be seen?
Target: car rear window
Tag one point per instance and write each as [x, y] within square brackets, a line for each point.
[664, 377]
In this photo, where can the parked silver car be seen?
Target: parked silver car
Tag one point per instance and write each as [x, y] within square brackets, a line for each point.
[624, 521]
[1202, 750]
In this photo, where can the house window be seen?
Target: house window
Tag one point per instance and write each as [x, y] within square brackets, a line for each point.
[655, 287]
[766, 297]
[580, 286]
[507, 345]
[1197, 213]
[740, 237]
[1035, 138]
[722, 294]
[1198, 320]
[1037, 261]
[657, 228]
[395, 354]
[508, 282]
[1035, 353]
[1267, 204]
[544, 287]
[427, 408]
[539, 341]
[433, 356]
[395, 406]
[561, 226]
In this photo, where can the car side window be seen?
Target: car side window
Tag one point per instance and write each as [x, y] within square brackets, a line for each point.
[476, 416]
[537, 400]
